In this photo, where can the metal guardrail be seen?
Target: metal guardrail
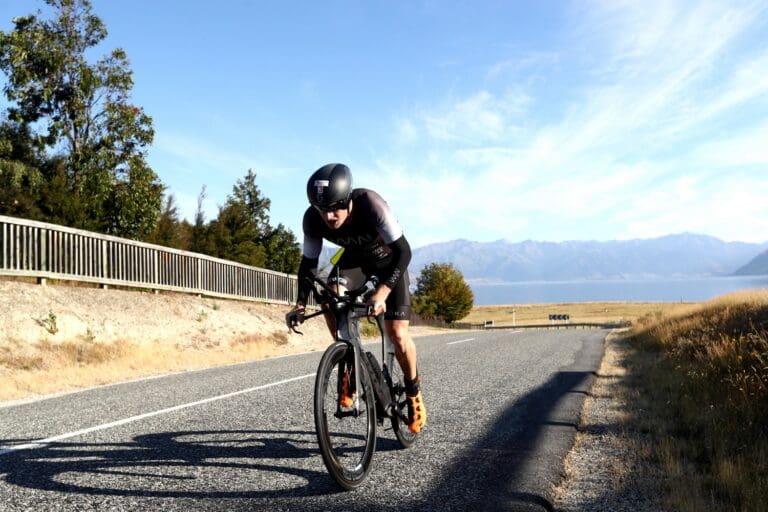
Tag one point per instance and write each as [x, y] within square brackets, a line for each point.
[47, 251]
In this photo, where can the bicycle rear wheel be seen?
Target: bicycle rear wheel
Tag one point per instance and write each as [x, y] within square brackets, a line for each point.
[399, 426]
[347, 438]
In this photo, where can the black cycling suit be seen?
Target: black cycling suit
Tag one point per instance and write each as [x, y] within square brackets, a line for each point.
[373, 244]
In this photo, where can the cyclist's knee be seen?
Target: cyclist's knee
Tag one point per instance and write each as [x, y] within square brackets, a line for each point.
[398, 332]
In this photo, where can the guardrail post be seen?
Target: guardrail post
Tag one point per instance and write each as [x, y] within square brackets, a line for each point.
[199, 274]
[43, 254]
[104, 262]
[155, 272]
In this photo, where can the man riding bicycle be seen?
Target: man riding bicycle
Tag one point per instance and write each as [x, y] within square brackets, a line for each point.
[360, 221]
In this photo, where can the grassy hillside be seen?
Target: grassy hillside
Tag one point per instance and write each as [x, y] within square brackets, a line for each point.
[702, 378]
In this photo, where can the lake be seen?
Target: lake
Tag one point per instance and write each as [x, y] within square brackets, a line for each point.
[692, 289]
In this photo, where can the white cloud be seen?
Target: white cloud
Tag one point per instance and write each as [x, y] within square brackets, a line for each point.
[526, 62]
[476, 119]
[661, 68]
[728, 209]
[406, 132]
[749, 148]
[639, 151]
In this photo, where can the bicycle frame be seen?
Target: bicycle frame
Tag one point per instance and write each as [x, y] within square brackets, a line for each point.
[377, 396]
[348, 330]
[348, 314]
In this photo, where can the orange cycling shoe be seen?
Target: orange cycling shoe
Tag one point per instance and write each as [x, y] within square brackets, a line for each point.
[417, 413]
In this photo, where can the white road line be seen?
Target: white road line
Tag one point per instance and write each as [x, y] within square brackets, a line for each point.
[26, 401]
[473, 339]
[43, 442]
[460, 341]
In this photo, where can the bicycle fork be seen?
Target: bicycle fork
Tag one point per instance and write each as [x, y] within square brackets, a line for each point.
[344, 333]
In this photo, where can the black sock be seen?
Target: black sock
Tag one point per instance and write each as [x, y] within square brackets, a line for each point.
[412, 387]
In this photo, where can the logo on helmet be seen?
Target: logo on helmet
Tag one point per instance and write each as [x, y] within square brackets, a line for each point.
[321, 184]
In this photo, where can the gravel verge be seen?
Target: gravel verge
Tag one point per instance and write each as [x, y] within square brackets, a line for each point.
[608, 468]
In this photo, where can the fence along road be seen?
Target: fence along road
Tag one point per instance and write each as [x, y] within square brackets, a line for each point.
[48, 251]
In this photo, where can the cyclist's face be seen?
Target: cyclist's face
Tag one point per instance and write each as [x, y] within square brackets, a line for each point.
[335, 218]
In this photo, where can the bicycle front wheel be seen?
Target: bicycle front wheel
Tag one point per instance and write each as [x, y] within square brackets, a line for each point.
[346, 435]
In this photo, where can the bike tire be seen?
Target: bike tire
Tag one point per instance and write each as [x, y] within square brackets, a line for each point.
[404, 436]
[347, 443]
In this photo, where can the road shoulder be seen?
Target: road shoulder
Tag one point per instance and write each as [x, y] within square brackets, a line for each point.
[608, 468]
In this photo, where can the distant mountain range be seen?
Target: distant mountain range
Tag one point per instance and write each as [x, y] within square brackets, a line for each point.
[756, 267]
[680, 255]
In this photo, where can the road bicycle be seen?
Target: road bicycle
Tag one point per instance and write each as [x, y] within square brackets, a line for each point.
[353, 393]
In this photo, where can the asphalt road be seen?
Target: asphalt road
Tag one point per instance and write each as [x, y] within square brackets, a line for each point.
[502, 409]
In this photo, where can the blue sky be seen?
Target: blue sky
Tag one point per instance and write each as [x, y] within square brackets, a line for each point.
[481, 120]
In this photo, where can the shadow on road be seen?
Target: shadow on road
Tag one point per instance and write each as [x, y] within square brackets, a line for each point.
[159, 464]
[514, 466]
[517, 463]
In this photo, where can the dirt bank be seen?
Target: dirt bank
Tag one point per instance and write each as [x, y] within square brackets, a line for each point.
[59, 337]
[55, 337]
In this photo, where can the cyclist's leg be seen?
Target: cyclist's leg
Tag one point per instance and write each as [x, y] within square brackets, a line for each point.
[405, 349]
[397, 322]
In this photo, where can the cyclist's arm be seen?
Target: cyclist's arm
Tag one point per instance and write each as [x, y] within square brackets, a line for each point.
[392, 234]
[391, 274]
[401, 257]
[308, 266]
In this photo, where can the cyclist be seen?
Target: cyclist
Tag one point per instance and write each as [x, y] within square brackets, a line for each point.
[360, 221]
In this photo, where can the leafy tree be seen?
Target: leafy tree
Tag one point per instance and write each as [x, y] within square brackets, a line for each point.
[242, 231]
[246, 195]
[237, 231]
[199, 230]
[283, 253]
[83, 113]
[169, 231]
[235, 236]
[441, 292]
[21, 181]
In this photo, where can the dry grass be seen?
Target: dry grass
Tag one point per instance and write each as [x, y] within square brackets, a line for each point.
[48, 367]
[597, 312]
[702, 377]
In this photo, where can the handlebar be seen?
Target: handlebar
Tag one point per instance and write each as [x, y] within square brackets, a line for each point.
[352, 298]
[358, 295]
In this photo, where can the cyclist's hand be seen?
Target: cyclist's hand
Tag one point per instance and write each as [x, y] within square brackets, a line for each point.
[295, 317]
[378, 300]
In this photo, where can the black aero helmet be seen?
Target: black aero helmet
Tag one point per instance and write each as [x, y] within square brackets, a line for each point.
[329, 187]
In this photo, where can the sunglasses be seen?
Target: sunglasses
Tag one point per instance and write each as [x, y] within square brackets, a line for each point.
[338, 205]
